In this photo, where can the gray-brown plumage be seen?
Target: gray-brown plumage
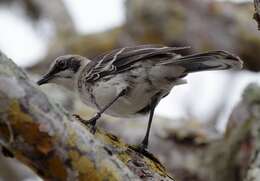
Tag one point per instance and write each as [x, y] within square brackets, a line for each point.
[132, 80]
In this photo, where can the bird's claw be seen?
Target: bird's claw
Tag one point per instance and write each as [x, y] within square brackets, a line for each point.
[78, 118]
[91, 123]
[142, 149]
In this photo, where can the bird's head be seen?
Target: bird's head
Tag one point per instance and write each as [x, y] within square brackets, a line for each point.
[63, 67]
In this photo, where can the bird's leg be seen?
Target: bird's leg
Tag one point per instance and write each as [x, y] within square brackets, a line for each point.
[92, 122]
[144, 145]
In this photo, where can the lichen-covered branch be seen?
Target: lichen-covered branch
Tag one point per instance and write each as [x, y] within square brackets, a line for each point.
[40, 134]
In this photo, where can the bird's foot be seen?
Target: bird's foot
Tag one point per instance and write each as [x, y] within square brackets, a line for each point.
[76, 116]
[142, 149]
[91, 123]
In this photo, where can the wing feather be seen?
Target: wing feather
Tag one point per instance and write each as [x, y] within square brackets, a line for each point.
[123, 59]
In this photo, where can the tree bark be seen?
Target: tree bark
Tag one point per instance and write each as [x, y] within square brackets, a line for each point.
[43, 136]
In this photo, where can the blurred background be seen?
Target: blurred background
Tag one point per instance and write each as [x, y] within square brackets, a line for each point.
[34, 32]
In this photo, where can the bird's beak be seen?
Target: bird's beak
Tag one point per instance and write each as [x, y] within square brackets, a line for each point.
[45, 79]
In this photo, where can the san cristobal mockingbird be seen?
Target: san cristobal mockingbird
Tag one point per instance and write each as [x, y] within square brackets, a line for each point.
[131, 81]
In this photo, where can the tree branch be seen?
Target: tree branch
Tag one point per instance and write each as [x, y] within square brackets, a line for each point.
[43, 136]
[253, 104]
[257, 12]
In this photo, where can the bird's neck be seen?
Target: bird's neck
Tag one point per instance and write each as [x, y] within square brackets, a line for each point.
[81, 68]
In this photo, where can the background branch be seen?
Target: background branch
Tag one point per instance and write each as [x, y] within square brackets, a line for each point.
[257, 12]
[253, 105]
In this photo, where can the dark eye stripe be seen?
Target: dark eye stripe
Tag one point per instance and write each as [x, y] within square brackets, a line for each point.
[74, 65]
[62, 65]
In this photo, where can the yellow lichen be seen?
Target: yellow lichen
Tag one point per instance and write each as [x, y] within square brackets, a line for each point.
[15, 114]
[108, 171]
[155, 167]
[111, 139]
[72, 137]
[84, 166]
[124, 157]
[24, 126]
[74, 156]
[127, 156]
[57, 168]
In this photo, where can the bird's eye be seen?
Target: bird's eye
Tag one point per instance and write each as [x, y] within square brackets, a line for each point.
[62, 64]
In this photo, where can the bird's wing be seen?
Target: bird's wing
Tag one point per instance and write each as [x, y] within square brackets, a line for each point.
[123, 59]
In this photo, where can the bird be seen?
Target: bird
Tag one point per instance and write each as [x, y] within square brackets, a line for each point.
[131, 81]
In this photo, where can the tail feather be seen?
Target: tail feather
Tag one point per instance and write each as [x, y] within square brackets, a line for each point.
[213, 60]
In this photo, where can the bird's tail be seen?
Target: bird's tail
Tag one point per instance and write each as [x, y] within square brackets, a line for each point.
[213, 60]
